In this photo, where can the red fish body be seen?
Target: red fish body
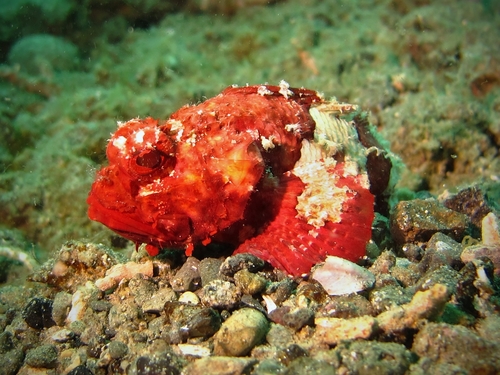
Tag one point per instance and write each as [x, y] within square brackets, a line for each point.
[267, 168]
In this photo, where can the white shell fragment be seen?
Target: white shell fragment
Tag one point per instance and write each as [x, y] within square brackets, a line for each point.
[121, 272]
[490, 230]
[339, 276]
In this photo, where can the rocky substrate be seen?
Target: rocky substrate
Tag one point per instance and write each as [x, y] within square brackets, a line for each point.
[433, 307]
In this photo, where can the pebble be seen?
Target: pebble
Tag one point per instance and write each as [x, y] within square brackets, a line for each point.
[279, 336]
[372, 357]
[388, 297]
[248, 282]
[62, 335]
[428, 304]
[346, 307]
[189, 297]
[490, 247]
[419, 219]
[220, 366]
[80, 370]
[191, 320]
[42, 356]
[188, 277]
[295, 318]
[455, 344]
[238, 262]
[331, 331]
[209, 269]
[240, 333]
[290, 353]
[280, 291]
[11, 361]
[444, 275]
[441, 250]
[159, 364]
[269, 367]
[220, 294]
[156, 303]
[38, 313]
[412, 252]
[310, 366]
[117, 349]
[61, 307]
[471, 202]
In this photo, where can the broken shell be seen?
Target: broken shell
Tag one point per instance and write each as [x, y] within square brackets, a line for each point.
[339, 276]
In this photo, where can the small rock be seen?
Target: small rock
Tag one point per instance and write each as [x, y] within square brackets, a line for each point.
[191, 320]
[457, 345]
[164, 364]
[204, 323]
[188, 276]
[209, 269]
[249, 283]
[339, 276]
[298, 318]
[42, 356]
[471, 202]
[269, 367]
[62, 335]
[474, 278]
[313, 292]
[194, 350]
[383, 263]
[310, 366]
[417, 220]
[157, 301]
[290, 353]
[61, 307]
[38, 313]
[444, 275]
[80, 370]
[240, 333]
[346, 307]
[11, 361]
[441, 250]
[220, 294]
[238, 262]
[189, 297]
[405, 272]
[412, 252]
[280, 291]
[295, 318]
[220, 366]
[388, 297]
[427, 305]
[117, 349]
[279, 336]
[372, 357]
[333, 330]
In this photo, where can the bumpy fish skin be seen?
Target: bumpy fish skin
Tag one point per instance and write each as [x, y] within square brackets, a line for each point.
[249, 167]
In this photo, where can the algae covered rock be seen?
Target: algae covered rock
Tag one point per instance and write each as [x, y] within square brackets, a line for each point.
[43, 53]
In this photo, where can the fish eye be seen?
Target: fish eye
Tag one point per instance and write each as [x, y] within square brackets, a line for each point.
[150, 159]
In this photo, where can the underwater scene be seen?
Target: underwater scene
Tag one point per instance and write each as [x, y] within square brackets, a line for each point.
[249, 187]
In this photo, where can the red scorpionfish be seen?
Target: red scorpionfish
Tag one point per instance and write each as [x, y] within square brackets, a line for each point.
[274, 170]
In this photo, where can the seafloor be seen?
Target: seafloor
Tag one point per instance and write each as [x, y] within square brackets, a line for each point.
[426, 72]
